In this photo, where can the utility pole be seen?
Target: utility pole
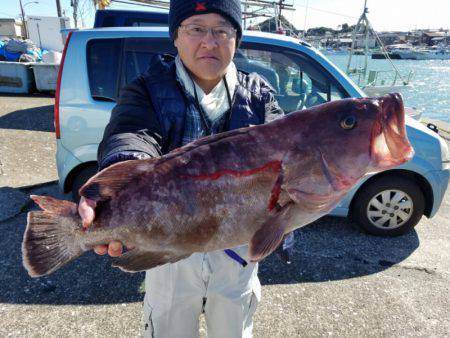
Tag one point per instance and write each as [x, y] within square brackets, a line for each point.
[24, 24]
[74, 4]
[306, 16]
[275, 17]
[245, 17]
[58, 8]
[280, 6]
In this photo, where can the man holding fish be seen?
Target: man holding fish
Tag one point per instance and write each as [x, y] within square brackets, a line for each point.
[184, 181]
[205, 94]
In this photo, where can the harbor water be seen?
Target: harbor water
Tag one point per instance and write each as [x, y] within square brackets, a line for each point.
[430, 92]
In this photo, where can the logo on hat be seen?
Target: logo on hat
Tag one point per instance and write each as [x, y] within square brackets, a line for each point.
[200, 7]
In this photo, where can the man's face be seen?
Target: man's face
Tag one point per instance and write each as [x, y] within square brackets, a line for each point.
[207, 57]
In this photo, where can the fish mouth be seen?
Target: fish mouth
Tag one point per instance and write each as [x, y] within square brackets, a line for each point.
[389, 146]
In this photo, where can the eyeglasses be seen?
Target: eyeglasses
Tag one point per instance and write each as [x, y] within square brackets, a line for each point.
[220, 33]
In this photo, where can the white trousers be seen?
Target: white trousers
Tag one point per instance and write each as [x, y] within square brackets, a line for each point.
[213, 283]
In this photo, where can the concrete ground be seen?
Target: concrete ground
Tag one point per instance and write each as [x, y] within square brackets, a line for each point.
[342, 282]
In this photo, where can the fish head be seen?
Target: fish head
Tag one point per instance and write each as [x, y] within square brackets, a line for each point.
[389, 144]
[348, 139]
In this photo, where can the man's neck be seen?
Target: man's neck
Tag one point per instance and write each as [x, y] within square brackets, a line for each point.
[206, 85]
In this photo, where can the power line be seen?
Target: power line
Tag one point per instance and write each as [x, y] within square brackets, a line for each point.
[326, 11]
[147, 3]
[141, 4]
[8, 14]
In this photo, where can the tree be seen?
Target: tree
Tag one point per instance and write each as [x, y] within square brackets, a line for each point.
[320, 31]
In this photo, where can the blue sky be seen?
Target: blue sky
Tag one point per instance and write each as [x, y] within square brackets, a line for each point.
[384, 14]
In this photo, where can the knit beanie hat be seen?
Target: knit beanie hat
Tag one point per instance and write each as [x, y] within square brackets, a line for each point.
[183, 9]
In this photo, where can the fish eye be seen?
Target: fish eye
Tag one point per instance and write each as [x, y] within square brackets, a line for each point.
[348, 122]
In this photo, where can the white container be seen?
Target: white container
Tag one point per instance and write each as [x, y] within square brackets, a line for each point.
[52, 57]
[45, 31]
[16, 77]
[46, 75]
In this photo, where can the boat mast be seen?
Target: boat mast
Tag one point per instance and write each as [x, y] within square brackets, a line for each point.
[363, 23]
[367, 31]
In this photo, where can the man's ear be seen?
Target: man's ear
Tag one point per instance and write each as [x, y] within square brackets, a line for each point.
[175, 38]
[238, 43]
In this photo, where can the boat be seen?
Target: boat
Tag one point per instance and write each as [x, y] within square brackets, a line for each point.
[336, 51]
[431, 53]
[374, 82]
[400, 51]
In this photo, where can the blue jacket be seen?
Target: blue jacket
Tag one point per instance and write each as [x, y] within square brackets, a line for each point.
[148, 120]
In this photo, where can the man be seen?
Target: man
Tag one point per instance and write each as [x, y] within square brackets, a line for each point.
[176, 101]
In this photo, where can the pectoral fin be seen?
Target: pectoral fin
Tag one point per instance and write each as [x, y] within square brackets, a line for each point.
[269, 236]
[136, 260]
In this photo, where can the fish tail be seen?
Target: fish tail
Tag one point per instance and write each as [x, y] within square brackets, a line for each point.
[51, 237]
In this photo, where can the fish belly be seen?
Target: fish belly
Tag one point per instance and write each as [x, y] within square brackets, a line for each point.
[203, 213]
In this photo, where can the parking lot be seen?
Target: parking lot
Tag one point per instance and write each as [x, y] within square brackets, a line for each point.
[341, 283]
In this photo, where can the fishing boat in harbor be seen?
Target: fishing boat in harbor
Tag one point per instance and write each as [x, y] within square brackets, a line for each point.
[400, 51]
[409, 52]
[374, 82]
[431, 53]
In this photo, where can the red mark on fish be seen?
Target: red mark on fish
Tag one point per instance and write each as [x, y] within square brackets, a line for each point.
[273, 165]
[275, 194]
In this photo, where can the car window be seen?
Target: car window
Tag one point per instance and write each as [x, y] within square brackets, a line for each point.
[103, 56]
[298, 80]
[112, 63]
[138, 53]
[135, 22]
[109, 21]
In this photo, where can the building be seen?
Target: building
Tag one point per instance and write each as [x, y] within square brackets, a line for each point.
[434, 38]
[10, 28]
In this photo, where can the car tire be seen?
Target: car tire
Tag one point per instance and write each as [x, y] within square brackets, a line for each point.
[80, 179]
[388, 206]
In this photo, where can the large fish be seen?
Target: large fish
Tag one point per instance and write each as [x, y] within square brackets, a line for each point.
[250, 185]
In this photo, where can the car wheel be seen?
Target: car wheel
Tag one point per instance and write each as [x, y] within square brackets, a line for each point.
[389, 206]
[80, 179]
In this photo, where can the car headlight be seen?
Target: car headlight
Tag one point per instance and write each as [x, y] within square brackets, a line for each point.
[445, 154]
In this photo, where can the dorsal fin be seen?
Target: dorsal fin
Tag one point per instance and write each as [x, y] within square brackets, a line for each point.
[110, 181]
[107, 183]
[55, 206]
[203, 141]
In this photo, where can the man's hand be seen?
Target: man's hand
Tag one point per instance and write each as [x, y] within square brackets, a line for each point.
[86, 210]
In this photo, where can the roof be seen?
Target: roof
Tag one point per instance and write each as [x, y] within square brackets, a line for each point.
[165, 29]
[434, 34]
